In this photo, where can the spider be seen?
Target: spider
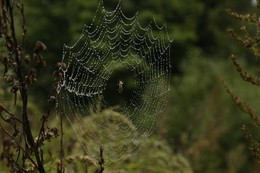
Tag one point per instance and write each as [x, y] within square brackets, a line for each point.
[120, 86]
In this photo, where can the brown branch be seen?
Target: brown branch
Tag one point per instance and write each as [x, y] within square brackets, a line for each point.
[244, 75]
[245, 17]
[61, 166]
[246, 42]
[241, 105]
[254, 146]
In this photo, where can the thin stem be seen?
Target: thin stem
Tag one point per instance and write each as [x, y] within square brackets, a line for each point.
[17, 143]
[17, 59]
[101, 161]
[9, 113]
[61, 168]
[44, 120]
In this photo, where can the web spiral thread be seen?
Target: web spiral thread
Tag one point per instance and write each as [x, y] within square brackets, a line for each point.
[111, 44]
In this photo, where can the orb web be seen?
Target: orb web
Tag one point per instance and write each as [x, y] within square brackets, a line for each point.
[113, 89]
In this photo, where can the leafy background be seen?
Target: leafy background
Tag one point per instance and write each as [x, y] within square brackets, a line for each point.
[200, 129]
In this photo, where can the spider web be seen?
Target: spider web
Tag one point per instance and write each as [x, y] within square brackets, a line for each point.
[114, 87]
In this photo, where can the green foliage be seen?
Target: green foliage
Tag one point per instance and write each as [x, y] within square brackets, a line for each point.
[208, 130]
[200, 121]
[155, 156]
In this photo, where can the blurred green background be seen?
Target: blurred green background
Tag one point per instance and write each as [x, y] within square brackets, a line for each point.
[200, 128]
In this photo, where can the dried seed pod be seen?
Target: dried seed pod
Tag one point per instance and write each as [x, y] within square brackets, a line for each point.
[9, 78]
[63, 66]
[51, 98]
[60, 75]
[26, 58]
[57, 74]
[28, 80]
[39, 46]
[58, 65]
[14, 89]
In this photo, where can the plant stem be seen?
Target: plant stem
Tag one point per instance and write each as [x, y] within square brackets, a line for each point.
[23, 91]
